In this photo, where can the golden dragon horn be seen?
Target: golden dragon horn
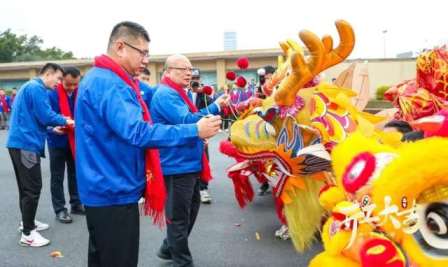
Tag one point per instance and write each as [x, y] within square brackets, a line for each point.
[321, 56]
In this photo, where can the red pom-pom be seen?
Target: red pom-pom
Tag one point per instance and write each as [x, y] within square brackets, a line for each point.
[241, 82]
[242, 63]
[208, 90]
[231, 76]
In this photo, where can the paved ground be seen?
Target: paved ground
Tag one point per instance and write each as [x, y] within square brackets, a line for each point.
[215, 240]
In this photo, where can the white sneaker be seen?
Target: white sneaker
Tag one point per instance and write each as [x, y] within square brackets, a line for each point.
[282, 233]
[205, 197]
[40, 226]
[34, 239]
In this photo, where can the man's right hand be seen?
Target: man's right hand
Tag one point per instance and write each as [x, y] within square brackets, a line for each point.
[209, 126]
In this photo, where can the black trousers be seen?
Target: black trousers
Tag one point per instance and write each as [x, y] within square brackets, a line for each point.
[59, 158]
[114, 233]
[29, 181]
[181, 209]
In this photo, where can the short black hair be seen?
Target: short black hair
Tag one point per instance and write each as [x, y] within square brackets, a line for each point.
[72, 71]
[269, 69]
[50, 67]
[146, 72]
[402, 126]
[128, 29]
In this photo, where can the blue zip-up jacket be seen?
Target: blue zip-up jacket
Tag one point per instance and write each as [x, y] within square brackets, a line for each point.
[147, 92]
[56, 140]
[30, 117]
[111, 138]
[168, 107]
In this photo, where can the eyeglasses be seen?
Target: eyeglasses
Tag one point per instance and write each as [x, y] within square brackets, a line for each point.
[182, 69]
[143, 53]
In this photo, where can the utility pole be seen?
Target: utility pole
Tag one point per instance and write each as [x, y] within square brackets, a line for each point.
[384, 43]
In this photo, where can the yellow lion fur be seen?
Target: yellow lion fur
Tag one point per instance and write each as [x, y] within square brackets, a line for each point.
[417, 167]
[303, 223]
[331, 197]
[420, 166]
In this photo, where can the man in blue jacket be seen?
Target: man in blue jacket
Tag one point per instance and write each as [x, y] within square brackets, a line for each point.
[113, 134]
[59, 146]
[183, 166]
[30, 118]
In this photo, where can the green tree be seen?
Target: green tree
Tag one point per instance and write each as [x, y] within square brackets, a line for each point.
[380, 91]
[15, 47]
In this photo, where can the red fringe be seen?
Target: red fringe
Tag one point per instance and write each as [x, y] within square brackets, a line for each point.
[279, 209]
[155, 194]
[244, 192]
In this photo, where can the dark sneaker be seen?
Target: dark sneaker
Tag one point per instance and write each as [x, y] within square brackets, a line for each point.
[264, 189]
[164, 255]
[64, 217]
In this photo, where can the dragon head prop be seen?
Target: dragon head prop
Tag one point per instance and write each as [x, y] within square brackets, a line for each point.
[285, 139]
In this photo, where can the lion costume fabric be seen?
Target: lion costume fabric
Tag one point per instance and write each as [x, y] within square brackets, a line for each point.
[285, 139]
[389, 205]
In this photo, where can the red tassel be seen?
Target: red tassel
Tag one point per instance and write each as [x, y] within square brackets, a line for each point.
[244, 192]
[206, 174]
[155, 195]
[247, 187]
[279, 210]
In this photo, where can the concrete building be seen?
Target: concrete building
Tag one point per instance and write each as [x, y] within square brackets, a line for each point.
[214, 66]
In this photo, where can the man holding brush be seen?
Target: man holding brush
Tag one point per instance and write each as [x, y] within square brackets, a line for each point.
[183, 166]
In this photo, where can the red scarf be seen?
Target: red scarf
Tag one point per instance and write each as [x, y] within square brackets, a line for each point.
[4, 103]
[206, 174]
[155, 192]
[64, 106]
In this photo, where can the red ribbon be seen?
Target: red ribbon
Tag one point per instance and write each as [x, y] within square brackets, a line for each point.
[4, 103]
[64, 106]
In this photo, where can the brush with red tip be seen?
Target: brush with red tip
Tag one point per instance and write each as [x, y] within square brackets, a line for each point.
[435, 125]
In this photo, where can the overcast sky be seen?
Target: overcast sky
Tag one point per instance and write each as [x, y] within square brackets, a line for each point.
[179, 26]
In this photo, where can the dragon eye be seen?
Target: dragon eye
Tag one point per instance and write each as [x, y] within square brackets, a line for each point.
[365, 200]
[434, 226]
[364, 168]
[404, 202]
[358, 172]
[437, 219]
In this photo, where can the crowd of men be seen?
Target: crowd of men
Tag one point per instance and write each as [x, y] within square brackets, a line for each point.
[122, 142]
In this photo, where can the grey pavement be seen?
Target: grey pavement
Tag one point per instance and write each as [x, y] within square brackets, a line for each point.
[224, 235]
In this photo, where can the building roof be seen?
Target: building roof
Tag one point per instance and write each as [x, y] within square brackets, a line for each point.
[201, 56]
[252, 53]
